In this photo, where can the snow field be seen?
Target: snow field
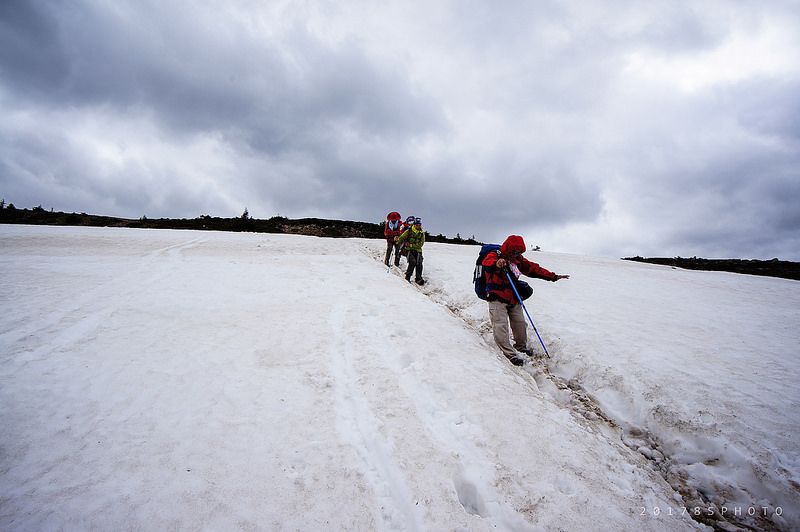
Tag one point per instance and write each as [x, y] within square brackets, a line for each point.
[697, 368]
[199, 380]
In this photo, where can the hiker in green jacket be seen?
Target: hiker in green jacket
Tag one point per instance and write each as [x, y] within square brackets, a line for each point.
[414, 238]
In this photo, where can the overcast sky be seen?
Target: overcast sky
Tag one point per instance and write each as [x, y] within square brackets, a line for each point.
[610, 128]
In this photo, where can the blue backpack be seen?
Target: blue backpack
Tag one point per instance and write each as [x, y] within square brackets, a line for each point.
[478, 279]
[482, 289]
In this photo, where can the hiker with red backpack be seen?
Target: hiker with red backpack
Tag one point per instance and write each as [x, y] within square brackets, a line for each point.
[413, 239]
[499, 268]
[405, 226]
[391, 230]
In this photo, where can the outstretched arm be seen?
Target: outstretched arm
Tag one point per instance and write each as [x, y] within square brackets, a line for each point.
[531, 269]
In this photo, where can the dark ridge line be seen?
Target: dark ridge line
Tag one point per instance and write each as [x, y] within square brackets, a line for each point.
[770, 268]
[277, 224]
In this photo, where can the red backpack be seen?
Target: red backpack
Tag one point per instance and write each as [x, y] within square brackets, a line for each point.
[392, 224]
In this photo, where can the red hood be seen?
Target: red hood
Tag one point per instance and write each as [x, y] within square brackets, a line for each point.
[513, 243]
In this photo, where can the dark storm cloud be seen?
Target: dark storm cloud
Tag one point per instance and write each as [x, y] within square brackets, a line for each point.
[483, 118]
[192, 79]
[752, 202]
[31, 55]
[771, 108]
[712, 189]
[294, 97]
[75, 179]
[445, 196]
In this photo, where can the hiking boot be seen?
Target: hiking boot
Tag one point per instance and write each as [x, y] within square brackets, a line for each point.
[526, 351]
[408, 278]
[420, 281]
[516, 360]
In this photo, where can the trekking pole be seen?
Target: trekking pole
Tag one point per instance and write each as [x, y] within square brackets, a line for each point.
[526, 313]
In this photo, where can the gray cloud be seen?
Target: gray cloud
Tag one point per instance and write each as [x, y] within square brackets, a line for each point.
[31, 55]
[484, 119]
[192, 79]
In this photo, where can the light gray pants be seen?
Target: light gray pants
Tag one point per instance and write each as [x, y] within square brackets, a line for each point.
[500, 315]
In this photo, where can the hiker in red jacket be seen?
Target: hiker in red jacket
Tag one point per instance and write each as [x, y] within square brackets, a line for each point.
[503, 303]
[391, 230]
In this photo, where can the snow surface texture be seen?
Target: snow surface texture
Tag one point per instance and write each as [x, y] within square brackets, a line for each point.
[198, 380]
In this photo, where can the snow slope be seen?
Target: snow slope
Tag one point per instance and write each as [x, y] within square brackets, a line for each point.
[200, 380]
[700, 369]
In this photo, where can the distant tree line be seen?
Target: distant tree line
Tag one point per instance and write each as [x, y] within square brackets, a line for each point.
[772, 268]
[9, 214]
